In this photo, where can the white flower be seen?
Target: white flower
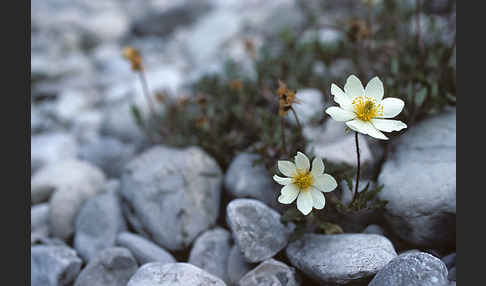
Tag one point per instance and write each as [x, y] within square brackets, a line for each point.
[304, 184]
[364, 110]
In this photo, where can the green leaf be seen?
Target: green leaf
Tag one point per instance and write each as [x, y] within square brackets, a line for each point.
[292, 215]
[298, 232]
[330, 228]
[136, 113]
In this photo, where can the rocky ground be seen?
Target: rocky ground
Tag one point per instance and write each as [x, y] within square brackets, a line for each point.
[110, 209]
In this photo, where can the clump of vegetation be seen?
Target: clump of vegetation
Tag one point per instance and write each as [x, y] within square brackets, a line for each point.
[231, 111]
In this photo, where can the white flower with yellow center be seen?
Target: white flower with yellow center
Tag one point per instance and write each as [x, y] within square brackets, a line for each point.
[304, 184]
[364, 110]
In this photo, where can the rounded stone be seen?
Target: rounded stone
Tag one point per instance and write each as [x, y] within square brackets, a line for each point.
[173, 193]
[256, 228]
[97, 225]
[110, 267]
[412, 269]
[340, 258]
[144, 250]
[53, 265]
[173, 274]
[210, 252]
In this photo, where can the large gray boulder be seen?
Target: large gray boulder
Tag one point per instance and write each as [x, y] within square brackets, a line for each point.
[246, 179]
[256, 228]
[97, 225]
[420, 183]
[271, 273]
[340, 258]
[174, 193]
[210, 252]
[111, 267]
[53, 265]
[412, 269]
[144, 250]
[173, 274]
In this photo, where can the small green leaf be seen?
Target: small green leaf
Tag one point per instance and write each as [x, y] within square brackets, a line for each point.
[330, 228]
[136, 113]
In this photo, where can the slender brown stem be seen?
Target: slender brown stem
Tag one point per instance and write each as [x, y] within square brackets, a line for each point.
[356, 185]
[146, 92]
[282, 127]
[296, 118]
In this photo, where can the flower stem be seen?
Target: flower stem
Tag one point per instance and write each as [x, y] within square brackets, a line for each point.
[356, 185]
[282, 128]
[296, 118]
[146, 92]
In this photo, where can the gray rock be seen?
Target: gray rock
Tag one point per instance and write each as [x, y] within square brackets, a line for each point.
[37, 238]
[50, 148]
[174, 193]
[271, 273]
[210, 252]
[246, 180]
[256, 229]
[310, 103]
[97, 225]
[120, 123]
[237, 265]
[38, 216]
[166, 21]
[374, 229]
[340, 258]
[173, 274]
[72, 182]
[452, 274]
[143, 249]
[412, 269]
[111, 267]
[107, 153]
[53, 265]
[332, 143]
[39, 228]
[63, 175]
[449, 260]
[420, 183]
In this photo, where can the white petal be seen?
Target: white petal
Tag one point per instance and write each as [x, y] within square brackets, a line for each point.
[325, 183]
[302, 162]
[366, 128]
[305, 202]
[318, 198]
[288, 194]
[375, 89]
[317, 166]
[391, 107]
[287, 168]
[388, 125]
[353, 87]
[340, 114]
[341, 98]
[281, 180]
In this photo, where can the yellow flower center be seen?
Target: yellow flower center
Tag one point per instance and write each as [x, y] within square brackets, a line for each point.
[366, 108]
[303, 180]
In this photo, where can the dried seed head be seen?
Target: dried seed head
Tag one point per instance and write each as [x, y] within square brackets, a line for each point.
[134, 57]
